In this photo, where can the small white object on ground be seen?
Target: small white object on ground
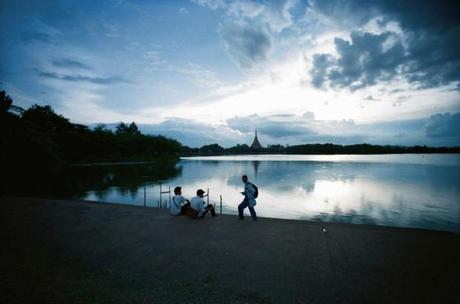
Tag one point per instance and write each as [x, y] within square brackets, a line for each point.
[324, 229]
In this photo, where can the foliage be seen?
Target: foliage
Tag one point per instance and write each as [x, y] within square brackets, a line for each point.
[327, 148]
[38, 141]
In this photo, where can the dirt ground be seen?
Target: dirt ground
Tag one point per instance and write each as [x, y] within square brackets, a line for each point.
[62, 251]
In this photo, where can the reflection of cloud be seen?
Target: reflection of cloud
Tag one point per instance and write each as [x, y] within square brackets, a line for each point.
[350, 216]
[382, 194]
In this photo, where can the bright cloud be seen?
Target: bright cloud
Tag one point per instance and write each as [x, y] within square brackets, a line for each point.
[209, 71]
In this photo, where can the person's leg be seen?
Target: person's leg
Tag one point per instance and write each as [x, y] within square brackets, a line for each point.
[253, 213]
[206, 209]
[212, 209]
[190, 212]
[241, 207]
[183, 209]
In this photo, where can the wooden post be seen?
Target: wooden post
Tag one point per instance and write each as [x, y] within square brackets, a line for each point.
[160, 195]
[221, 204]
[207, 198]
[169, 190]
[165, 205]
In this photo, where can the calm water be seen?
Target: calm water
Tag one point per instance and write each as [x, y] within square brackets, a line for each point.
[396, 190]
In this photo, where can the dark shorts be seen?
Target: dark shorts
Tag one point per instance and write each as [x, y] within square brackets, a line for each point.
[184, 209]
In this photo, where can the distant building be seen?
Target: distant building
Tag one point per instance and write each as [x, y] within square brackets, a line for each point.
[256, 144]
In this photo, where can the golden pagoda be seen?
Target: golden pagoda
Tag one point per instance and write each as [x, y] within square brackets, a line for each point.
[256, 144]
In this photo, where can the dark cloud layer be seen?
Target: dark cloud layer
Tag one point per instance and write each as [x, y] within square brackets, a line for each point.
[70, 63]
[80, 78]
[276, 126]
[439, 14]
[246, 45]
[429, 58]
[438, 130]
[362, 61]
[443, 125]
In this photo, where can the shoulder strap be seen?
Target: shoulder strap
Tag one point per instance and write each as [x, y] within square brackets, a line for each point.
[174, 201]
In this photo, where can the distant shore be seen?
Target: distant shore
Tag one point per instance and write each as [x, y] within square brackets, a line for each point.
[79, 252]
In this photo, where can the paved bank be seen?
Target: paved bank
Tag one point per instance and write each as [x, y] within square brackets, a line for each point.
[80, 252]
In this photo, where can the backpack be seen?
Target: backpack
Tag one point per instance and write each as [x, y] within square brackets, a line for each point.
[256, 190]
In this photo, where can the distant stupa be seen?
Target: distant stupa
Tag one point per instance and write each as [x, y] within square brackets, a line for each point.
[256, 144]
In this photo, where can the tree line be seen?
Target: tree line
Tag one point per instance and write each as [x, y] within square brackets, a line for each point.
[327, 148]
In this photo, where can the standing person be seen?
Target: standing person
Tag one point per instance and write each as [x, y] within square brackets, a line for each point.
[249, 199]
[179, 203]
[198, 205]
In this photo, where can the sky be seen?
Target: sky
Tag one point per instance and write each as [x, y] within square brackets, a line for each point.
[213, 71]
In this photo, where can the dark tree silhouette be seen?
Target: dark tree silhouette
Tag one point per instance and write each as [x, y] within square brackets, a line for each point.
[38, 142]
[5, 102]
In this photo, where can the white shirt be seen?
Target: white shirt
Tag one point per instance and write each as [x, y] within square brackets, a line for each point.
[249, 192]
[176, 204]
[198, 204]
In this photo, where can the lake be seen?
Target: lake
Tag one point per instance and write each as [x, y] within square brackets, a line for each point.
[407, 190]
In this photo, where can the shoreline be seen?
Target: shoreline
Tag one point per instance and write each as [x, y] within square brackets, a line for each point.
[80, 251]
[317, 222]
[309, 221]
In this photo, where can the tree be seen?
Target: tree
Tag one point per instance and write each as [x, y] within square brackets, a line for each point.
[121, 128]
[102, 129]
[5, 102]
[132, 129]
[124, 129]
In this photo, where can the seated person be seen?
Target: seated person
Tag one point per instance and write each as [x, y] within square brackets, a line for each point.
[199, 205]
[179, 203]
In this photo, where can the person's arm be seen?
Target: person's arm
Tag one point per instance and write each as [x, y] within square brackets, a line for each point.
[201, 208]
[183, 200]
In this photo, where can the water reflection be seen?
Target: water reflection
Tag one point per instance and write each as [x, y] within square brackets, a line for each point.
[411, 194]
[118, 182]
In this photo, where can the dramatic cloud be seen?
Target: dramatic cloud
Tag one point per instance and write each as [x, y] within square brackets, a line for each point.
[249, 27]
[274, 15]
[443, 125]
[246, 45]
[362, 61]
[411, 14]
[422, 52]
[376, 71]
